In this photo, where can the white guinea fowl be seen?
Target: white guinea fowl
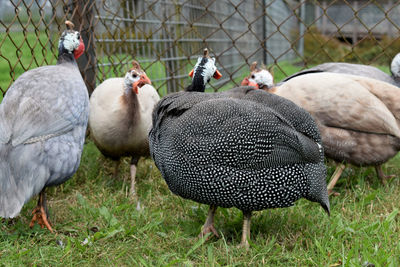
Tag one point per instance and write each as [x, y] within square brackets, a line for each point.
[43, 120]
[120, 117]
[358, 116]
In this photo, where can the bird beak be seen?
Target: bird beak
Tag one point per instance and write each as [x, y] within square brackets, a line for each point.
[142, 81]
[247, 82]
[191, 73]
[254, 84]
[217, 75]
[79, 51]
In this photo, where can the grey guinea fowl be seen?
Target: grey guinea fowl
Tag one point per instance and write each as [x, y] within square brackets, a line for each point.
[241, 148]
[356, 69]
[43, 119]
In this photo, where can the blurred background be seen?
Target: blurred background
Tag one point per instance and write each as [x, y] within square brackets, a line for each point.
[167, 36]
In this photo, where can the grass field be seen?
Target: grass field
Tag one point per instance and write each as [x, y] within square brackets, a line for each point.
[98, 225]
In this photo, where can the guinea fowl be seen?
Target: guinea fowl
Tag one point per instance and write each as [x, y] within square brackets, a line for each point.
[241, 148]
[358, 117]
[120, 117]
[259, 78]
[43, 120]
[356, 69]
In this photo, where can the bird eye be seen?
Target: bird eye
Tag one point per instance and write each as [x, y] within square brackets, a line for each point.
[134, 75]
[252, 76]
[78, 36]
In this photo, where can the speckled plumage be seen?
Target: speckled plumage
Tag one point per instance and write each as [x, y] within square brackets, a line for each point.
[241, 148]
[43, 119]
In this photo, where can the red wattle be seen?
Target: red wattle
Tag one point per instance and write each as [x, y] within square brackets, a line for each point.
[79, 51]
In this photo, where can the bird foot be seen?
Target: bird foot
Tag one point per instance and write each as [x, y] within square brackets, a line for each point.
[385, 178]
[333, 193]
[134, 198]
[40, 216]
[244, 244]
[208, 229]
[138, 206]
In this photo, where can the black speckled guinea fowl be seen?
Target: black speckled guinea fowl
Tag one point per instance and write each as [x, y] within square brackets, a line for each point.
[241, 148]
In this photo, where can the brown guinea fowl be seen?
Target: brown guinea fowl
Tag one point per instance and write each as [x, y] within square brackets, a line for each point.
[120, 117]
[358, 117]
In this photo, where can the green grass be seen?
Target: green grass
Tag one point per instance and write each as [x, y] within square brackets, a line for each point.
[363, 226]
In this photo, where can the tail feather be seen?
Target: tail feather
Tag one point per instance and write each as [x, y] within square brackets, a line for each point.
[318, 192]
[11, 200]
[21, 177]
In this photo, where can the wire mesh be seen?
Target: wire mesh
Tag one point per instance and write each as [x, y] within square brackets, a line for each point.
[166, 36]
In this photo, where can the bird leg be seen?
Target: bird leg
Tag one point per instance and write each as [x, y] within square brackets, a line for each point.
[116, 168]
[335, 177]
[133, 194]
[246, 229]
[40, 212]
[208, 226]
[383, 176]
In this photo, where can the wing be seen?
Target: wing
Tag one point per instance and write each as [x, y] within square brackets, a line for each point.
[42, 103]
[285, 109]
[235, 133]
[346, 68]
[387, 93]
[342, 101]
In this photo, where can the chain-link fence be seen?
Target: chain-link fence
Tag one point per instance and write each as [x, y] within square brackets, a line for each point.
[166, 36]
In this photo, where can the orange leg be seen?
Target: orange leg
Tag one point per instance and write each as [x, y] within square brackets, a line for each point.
[40, 213]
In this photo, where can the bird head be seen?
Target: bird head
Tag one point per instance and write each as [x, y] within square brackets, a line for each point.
[71, 41]
[395, 67]
[136, 77]
[203, 71]
[260, 78]
[246, 82]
